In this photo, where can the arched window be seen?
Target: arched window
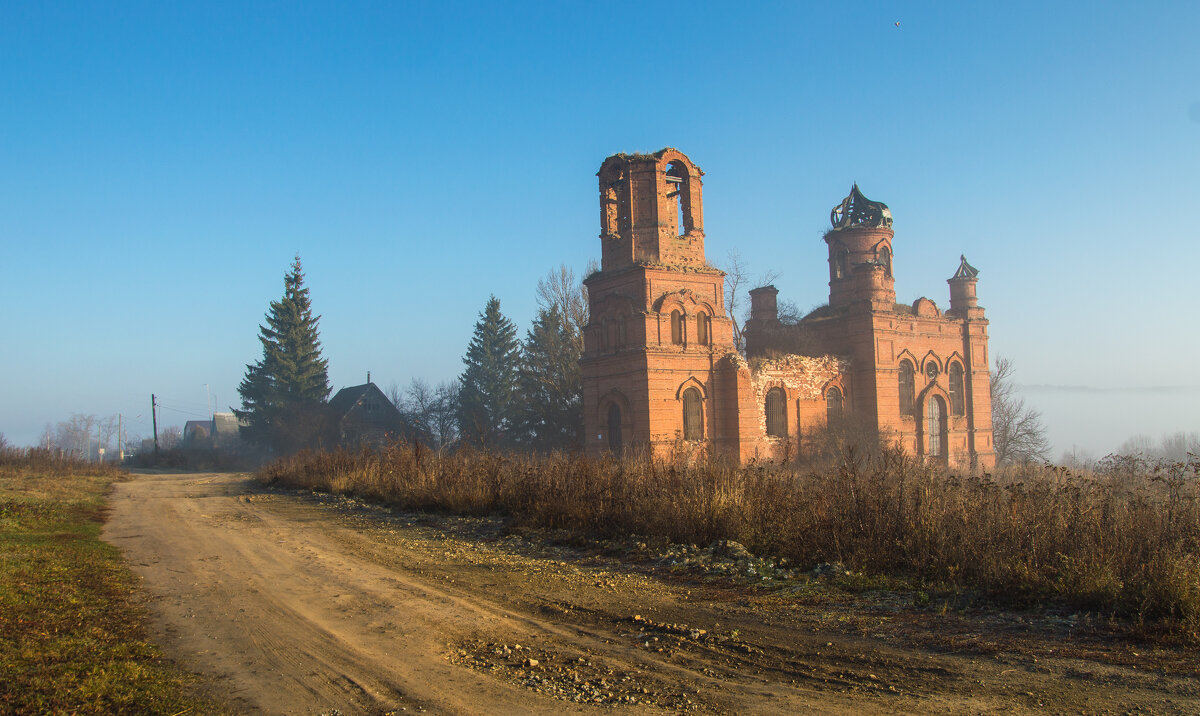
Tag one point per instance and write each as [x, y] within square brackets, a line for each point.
[776, 413]
[936, 425]
[838, 266]
[833, 405]
[907, 387]
[885, 260]
[693, 415]
[702, 328]
[957, 403]
[677, 327]
[614, 428]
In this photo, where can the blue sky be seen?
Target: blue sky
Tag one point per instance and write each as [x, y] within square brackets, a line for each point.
[161, 164]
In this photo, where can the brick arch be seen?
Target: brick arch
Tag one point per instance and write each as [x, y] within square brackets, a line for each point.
[684, 299]
[955, 357]
[609, 398]
[922, 418]
[941, 365]
[691, 382]
[911, 359]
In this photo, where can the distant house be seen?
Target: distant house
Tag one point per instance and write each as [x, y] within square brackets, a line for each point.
[197, 434]
[365, 416]
[219, 433]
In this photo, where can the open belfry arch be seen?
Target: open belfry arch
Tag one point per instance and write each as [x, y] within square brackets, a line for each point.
[661, 372]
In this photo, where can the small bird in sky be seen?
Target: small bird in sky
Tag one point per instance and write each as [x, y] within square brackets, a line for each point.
[897, 23]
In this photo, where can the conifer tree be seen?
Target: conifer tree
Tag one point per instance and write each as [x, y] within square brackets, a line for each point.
[486, 396]
[549, 413]
[284, 393]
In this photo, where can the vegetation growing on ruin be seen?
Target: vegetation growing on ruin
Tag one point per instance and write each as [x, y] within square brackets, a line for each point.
[1123, 541]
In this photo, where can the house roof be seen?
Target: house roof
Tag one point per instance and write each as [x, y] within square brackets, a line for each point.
[346, 398]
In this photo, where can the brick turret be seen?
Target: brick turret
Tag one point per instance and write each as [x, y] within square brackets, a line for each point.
[860, 252]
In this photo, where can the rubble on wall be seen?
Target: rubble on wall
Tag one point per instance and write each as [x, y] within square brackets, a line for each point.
[802, 376]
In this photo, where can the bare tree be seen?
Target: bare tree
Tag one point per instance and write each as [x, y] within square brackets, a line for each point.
[560, 289]
[170, 437]
[3, 443]
[432, 411]
[1018, 434]
[737, 283]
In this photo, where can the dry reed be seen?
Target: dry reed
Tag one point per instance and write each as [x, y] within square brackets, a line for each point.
[1122, 541]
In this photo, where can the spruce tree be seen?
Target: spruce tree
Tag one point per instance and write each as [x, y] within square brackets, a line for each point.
[284, 393]
[549, 415]
[486, 396]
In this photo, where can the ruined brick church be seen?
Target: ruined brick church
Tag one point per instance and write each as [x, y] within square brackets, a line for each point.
[661, 370]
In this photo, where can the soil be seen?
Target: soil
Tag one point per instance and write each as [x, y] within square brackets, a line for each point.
[293, 602]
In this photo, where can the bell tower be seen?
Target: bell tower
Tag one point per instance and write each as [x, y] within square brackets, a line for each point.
[657, 322]
[651, 210]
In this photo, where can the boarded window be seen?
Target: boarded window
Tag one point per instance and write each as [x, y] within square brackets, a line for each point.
[776, 413]
[957, 403]
[693, 415]
[614, 428]
[702, 328]
[676, 327]
[936, 425]
[833, 405]
[907, 387]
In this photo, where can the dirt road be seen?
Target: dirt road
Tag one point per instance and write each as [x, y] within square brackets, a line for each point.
[293, 603]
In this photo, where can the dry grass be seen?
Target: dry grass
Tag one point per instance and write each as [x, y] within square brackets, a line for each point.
[1123, 541]
[71, 634]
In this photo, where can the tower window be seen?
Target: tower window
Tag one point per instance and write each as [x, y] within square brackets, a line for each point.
[677, 327]
[833, 405]
[702, 328]
[839, 261]
[678, 193]
[885, 260]
[907, 387]
[957, 404]
[776, 413]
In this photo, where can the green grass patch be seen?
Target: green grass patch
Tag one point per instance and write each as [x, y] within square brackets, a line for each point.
[71, 633]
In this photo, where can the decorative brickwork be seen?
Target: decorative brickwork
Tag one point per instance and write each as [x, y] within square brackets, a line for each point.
[660, 370]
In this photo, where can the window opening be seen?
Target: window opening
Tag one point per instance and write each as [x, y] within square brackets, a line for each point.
[677, 186]
[840, 259]
[833, 405]
[702, 328]
[676, 327]
[885, 258]
[776, 413]
[937, 425]
[957, 404]
[907, 387]
[693, 415]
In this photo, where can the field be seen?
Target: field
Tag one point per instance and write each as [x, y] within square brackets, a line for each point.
[71, 635]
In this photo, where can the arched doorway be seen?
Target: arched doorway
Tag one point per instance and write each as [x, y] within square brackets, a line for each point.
[614, 429]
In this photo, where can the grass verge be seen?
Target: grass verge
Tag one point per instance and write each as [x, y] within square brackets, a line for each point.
[71, 633]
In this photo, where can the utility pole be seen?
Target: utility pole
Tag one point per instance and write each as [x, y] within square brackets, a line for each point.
[120, 442]
[154, 421]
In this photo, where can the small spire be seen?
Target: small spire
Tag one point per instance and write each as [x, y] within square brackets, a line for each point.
[368, 377]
